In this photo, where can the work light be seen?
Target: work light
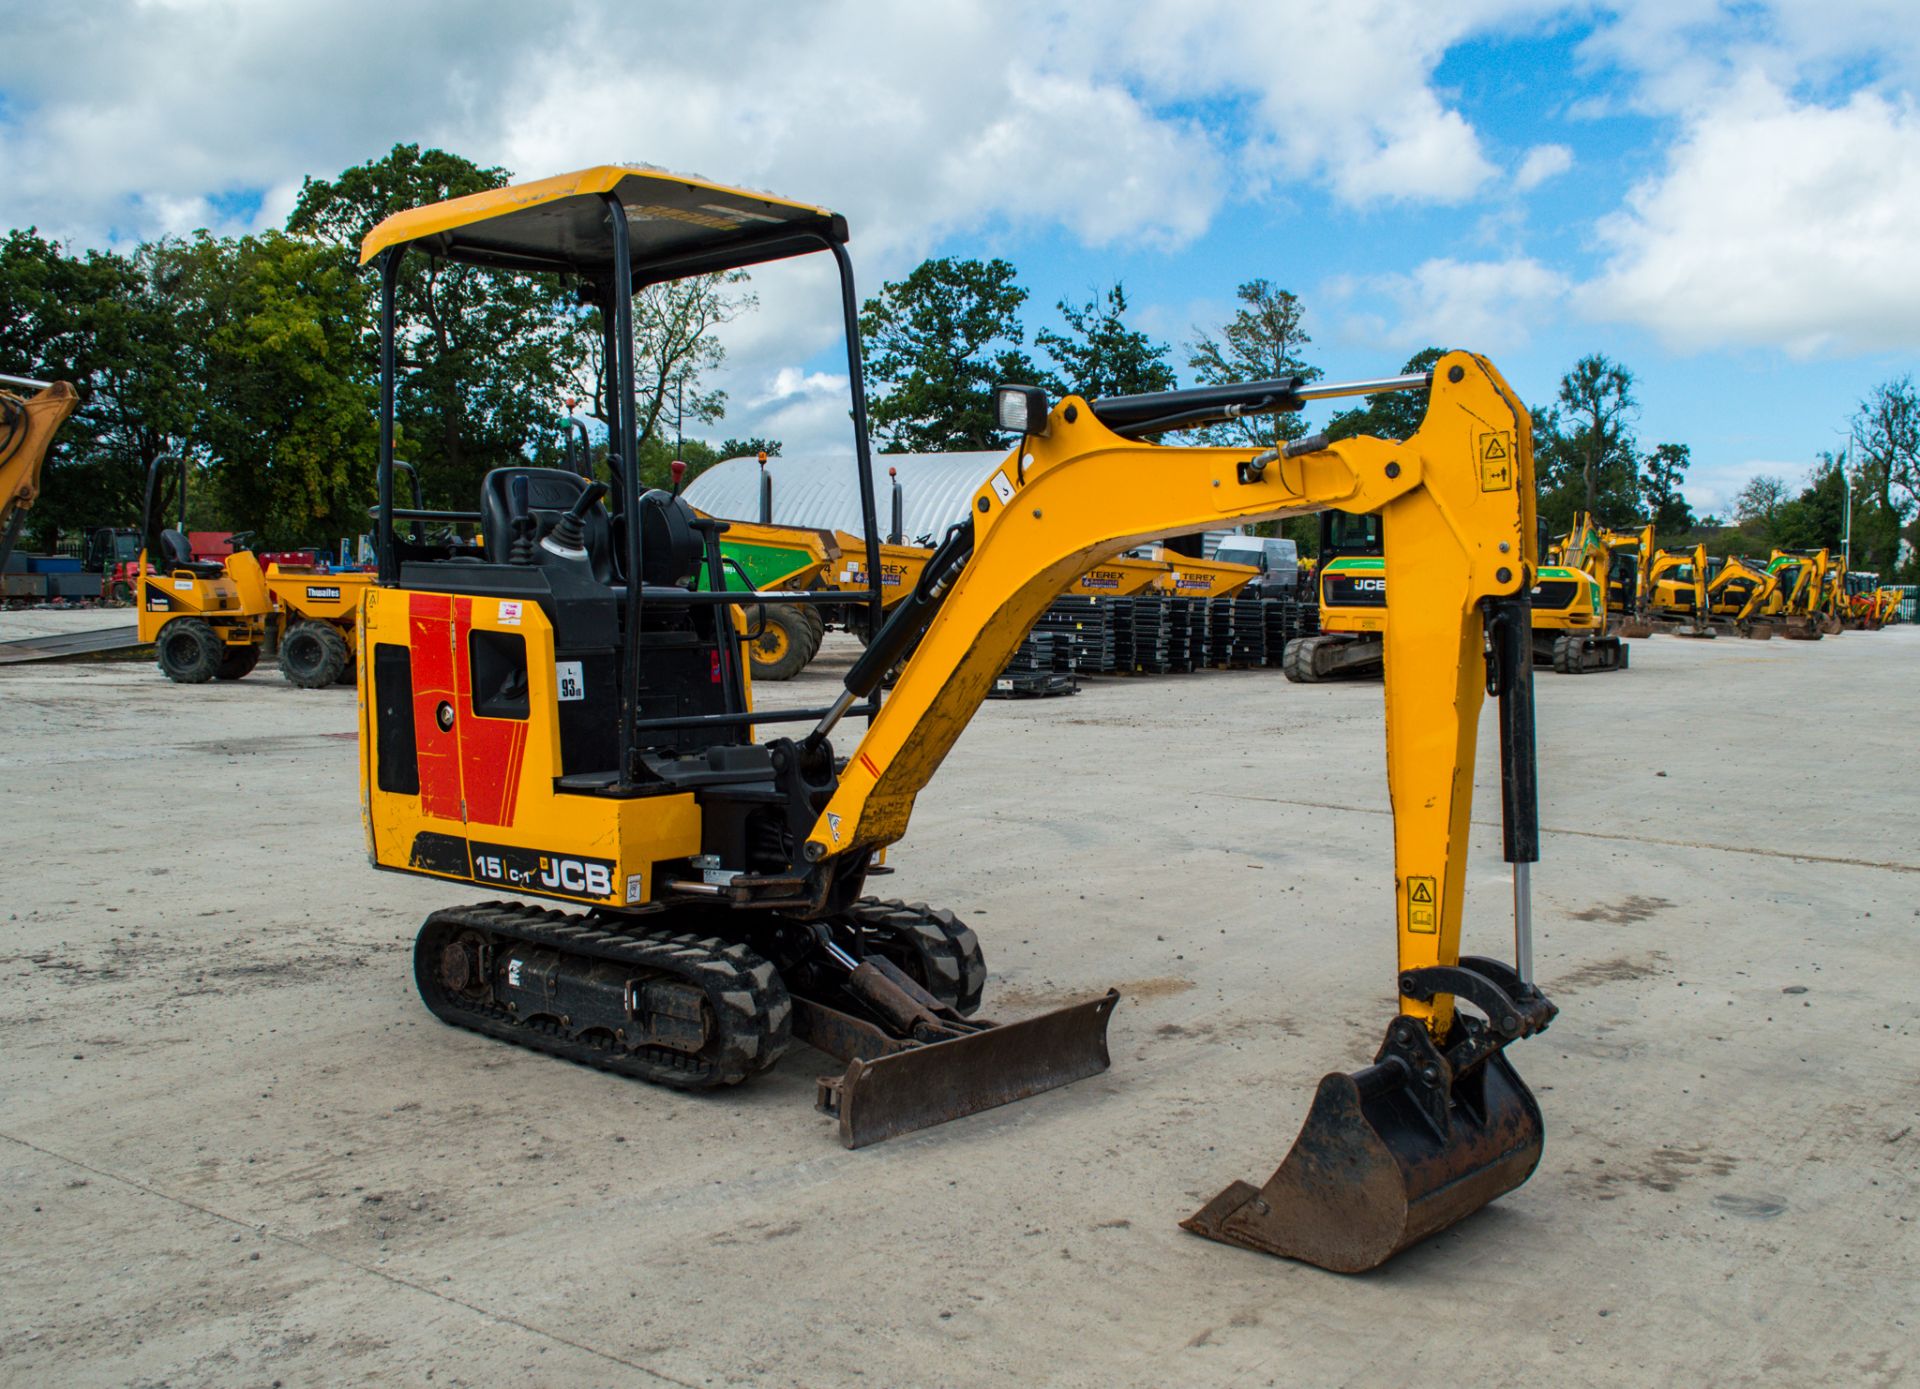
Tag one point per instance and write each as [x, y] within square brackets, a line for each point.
[1020, 409]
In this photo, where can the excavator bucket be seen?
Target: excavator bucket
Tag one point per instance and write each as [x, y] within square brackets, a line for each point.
[1371, 1173]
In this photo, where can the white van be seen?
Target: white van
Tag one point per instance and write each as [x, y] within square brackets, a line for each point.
[1277, 560]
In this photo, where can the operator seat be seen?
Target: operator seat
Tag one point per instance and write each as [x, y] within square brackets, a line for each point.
[176, 554]
[550, 491]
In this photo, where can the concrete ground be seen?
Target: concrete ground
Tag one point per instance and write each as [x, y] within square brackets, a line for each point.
[235, 1150]
[18, 624]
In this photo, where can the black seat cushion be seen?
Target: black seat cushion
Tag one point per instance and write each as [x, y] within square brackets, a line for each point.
[176, 554]
[550, 492]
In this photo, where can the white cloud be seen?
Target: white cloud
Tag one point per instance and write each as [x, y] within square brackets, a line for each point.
[922, 119]
[1541, 163]
[791, 383]
[1488, 306]
[1776, 223]
[1711, 487]
[1340, 94]
[1685, 53]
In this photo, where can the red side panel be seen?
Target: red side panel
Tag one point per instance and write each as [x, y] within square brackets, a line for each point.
[490, 749]
[470, 771]
[430, 623]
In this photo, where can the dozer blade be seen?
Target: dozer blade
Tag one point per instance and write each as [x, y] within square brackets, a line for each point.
[1386, 1158]
[918, 1086]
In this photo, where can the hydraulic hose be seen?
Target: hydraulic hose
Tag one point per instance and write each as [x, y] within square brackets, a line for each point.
[899, 632]
[910, 619]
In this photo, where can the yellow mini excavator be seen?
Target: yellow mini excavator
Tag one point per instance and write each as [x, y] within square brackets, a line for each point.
[567, 717]
[1799, 579]
[1674, 583]
[1567, 612]
[1737, 595]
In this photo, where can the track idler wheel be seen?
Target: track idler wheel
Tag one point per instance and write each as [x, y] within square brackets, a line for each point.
[1403, 1148]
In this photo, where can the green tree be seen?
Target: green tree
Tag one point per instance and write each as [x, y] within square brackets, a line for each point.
[1390, 414]
[47, 332]
[1099, 355]
[1886, 434]
[1597, 398]
[1757, 505]
[291, 394]
[746, 448]
[135, 354]
[1584, 453]
[1816, 518]
[1661, 473]
[486, 357]
[1262, 340]
[936, 344]
[674, 347]
[43, 295]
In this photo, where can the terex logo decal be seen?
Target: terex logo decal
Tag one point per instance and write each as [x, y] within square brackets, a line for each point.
[562, 875]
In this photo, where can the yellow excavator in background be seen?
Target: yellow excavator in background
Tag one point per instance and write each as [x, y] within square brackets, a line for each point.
[569, 718]
[1832, 605]
[1869, 605]
[1567, 612]
[1737, 595]
[27, 426]
[1618, 562]
[1794, 605]
[1675, 584]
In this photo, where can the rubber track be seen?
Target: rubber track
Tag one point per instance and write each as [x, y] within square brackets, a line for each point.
[947, 944]
[746, 994]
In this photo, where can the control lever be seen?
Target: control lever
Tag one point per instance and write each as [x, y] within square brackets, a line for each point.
[568, 537]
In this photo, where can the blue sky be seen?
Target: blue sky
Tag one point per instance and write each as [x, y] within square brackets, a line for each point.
[1724, 196]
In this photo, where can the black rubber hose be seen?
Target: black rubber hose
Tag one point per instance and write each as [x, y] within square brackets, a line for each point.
[910, 619]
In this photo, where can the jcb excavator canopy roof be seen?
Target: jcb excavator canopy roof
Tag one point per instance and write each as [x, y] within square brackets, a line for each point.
[677, 225]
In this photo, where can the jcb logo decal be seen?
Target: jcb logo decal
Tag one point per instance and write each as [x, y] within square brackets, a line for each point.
[529, 870]
[571, 875]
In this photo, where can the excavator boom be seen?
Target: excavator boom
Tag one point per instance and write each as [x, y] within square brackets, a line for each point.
[1456, 502]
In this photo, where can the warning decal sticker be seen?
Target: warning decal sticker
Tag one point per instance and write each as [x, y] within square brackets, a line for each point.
[1423, 908]
[1496, 461]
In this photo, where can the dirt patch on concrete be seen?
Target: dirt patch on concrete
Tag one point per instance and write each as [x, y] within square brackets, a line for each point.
[1609, 972]
[1667, 1168]
[1624, 913]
